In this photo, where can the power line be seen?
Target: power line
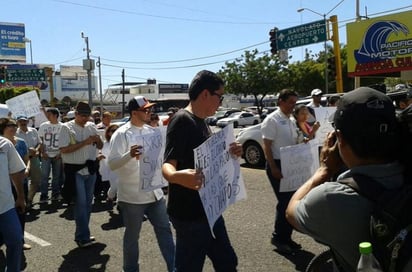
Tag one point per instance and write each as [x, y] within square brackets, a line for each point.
[185, 60]
[160, 16]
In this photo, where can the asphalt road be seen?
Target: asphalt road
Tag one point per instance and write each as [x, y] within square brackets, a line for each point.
[50, 231]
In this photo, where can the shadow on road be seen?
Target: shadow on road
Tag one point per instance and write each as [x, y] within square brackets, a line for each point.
[300, 258]
[115, 221]
[85, 259]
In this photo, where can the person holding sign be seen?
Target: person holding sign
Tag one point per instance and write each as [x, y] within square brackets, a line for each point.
[278, 130]
[126, 147]
[301, 114]
[186, 131]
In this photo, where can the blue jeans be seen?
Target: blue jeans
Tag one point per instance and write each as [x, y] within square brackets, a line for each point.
[56, 166]
[282, 229]
[132, 218]
[194, 242]
[83, 205]
[11, 235]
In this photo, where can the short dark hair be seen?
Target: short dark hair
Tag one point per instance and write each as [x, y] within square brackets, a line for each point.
[204, 80]
[4, 122]
[53, 111]
[286, 93]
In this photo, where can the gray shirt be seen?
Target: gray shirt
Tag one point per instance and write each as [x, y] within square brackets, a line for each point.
[335, 215]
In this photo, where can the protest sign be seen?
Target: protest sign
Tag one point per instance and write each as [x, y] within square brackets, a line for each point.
[322, 116]
[151, 159]
[223, 184]
[27, 104]
[298, 163]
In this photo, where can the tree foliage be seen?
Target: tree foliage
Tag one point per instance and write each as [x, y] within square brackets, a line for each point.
[255, 75]
[10, 92]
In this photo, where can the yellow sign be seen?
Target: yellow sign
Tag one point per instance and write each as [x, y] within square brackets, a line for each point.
[17, 45]
[380, 45]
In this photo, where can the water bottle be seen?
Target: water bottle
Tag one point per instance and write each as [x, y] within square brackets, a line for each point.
[367, 262]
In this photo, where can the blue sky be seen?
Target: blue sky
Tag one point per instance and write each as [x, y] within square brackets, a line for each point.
[169, 40]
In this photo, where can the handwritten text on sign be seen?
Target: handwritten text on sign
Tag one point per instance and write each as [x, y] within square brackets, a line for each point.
[27, 104]
[298, 163]
[223, 184]
[151, 160]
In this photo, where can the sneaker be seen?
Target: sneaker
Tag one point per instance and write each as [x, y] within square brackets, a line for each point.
[282, 247]
[84, 244]
[26, 246]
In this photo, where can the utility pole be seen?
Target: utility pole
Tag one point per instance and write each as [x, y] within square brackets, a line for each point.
[100, 87]
[123, 91]
[88, 65]
[49, 76]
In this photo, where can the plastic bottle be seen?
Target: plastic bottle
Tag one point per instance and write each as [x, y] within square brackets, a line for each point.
[367, 262]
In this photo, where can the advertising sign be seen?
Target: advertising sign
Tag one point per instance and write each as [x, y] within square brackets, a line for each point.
[12, 45]
[380, 45]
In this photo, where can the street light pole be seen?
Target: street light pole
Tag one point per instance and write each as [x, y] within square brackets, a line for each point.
[87, 64]
[26, 40]
[325, 42]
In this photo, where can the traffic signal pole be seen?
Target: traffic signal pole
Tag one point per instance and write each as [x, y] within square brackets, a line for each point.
[336, 49]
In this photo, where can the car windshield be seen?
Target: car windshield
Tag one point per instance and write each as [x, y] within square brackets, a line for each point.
[220, 113]
[235, 114]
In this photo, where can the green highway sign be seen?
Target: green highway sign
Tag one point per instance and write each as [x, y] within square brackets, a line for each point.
[302, 35]
[24, 75]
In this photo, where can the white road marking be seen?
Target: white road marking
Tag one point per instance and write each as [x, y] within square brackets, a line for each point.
[36, 240]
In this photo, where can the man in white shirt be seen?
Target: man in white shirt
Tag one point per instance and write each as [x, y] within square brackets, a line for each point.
[33, 141]
[51, 159]
[124, 159]
[12, 169]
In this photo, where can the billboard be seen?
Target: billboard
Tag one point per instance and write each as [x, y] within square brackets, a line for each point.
[12, 45]
[74, 79]
[380, 45]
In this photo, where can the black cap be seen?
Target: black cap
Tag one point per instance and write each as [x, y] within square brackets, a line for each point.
[365, 111]
[83, 108]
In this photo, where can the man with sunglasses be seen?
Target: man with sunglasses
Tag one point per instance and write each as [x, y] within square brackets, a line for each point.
[78, 143]
[186, 131]
[126, 148]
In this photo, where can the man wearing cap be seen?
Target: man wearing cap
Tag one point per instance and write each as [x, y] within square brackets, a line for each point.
[124, 158]
[33, 141]
[78, 143]
[316, 95]
[366, 141]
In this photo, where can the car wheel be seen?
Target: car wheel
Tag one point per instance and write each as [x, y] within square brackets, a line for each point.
[235, 124]
[255, 122]
[253, 154]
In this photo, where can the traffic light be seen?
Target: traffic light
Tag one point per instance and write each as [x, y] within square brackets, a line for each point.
[273, 41]
[2, 75]
[332, 67]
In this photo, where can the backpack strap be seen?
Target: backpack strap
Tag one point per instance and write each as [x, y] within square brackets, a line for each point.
[365, 186]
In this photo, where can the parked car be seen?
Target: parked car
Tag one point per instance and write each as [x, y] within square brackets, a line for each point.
[212, 120]
[239, 119]
[251, 140]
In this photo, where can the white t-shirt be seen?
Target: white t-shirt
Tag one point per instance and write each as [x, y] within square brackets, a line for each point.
[10, 163]
[49, 133]
[281, 130]
[129, 172]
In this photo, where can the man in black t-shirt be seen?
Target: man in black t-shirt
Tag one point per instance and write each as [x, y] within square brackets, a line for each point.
[186, 131]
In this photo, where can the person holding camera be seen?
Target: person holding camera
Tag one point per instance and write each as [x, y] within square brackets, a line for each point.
[78, 144]
[365, 140]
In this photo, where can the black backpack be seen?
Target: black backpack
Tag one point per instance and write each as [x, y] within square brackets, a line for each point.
[390, 221]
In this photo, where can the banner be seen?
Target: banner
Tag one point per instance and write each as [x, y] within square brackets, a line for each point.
[223, 183]
[323, 116]
[298, 163]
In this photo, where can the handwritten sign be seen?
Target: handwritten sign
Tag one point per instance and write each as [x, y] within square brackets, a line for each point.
[223, 183]
[27, 104]
[322, 116]
[151, 160]
[298, 163]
